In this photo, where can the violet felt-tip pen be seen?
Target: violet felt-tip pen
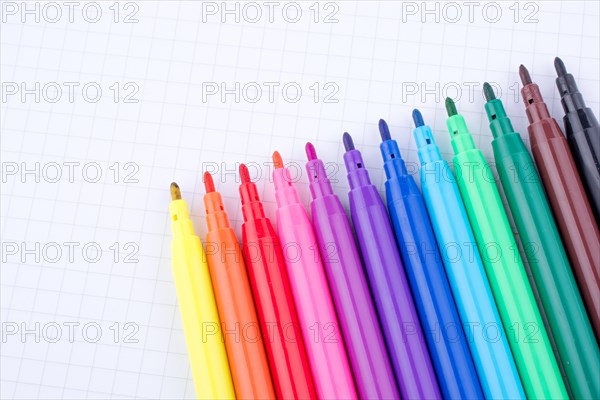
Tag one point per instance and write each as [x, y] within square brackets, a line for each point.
[366, 349]
[471, 289]
[439, 318]
[397, 313]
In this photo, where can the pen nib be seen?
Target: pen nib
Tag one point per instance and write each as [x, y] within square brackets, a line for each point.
[209, 184]
[175, 191]
[384, 130]
[450, 107]
[524, 74]
[417, 118]
[311, 153]
[277, 161]
[488, 92]
[348, 142]
[244, 173]
[559, 65]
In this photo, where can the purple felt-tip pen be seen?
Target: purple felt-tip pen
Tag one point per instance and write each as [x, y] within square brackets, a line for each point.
[393, 299]
[366, 349]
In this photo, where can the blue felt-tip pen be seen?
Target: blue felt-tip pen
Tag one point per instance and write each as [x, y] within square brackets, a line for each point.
[439, 317]
[472, 293]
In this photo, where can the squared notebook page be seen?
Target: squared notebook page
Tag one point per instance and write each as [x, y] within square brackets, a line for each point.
[104, 104]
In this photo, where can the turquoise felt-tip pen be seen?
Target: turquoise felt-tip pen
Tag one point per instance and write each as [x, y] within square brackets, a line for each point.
[468, 281]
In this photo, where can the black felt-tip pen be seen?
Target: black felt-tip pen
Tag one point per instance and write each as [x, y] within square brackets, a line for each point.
[583, 134]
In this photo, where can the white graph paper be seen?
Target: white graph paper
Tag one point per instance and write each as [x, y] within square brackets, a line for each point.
[104, 104]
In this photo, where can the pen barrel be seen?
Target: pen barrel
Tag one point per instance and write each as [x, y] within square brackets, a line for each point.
[367, 353]
[393, 299]
[572, 212]
[276, 311]
[575, 342]
[239, 322]
[583, 135]
[202, 327]
[318, 321]
[439, 317]
[517, 307]
[472, 293]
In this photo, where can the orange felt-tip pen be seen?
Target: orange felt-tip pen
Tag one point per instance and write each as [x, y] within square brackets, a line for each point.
[239, 321]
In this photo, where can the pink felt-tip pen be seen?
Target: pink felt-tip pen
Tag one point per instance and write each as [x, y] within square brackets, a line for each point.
[318, 322]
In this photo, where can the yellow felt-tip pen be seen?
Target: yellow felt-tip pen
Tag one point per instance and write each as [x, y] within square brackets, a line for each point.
[208, 358]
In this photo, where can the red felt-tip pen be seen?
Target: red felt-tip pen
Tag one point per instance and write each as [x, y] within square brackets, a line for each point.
[274, 301]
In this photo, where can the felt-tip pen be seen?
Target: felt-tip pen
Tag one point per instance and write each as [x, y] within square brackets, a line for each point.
[399, 319]
[201, 324]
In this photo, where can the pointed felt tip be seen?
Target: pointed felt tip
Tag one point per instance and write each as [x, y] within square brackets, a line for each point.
[277, 160]
[488, 92]
[417, 118]
[559, 65]
[450, 107]
[348, 142]
[209, 184]
[384, 130]
[175, 191]
[311, 153]
[244, 173]
[524, 74]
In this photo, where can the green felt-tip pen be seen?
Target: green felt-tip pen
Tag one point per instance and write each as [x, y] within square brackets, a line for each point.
[518, 310]
[575, 342]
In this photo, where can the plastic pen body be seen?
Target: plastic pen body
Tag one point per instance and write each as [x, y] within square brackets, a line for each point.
[274, 301]
[239, 322]
[493, 359]
[367, 353]
[318, 321]
[439, 316]
[207, 354]
[575, 342]
[571, 210]
[518, 309]
[393, 299]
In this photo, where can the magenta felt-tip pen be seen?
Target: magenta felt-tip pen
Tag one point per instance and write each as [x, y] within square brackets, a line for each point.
[366, 349]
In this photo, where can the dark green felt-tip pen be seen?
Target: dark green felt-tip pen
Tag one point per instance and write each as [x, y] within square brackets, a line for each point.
[567, 318]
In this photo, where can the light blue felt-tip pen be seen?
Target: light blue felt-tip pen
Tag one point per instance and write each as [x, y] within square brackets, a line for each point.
[472, 293]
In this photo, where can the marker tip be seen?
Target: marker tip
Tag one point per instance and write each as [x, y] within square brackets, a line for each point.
[488, 92]
[244, 173]
[524, 74]
[277, 160]
[450, 107]
[417, 118]
[559, 65]
[384, 130]
[175, 191]
[311, 153]
[209, 184]
[348, 142]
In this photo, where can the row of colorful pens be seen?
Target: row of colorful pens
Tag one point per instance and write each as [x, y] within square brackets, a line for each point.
[427, 298]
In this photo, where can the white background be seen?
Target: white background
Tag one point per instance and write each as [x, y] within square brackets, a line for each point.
[372, 54]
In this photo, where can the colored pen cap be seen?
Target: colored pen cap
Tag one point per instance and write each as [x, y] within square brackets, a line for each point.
[499, 123]
[459, 133]
[393, 162]
[426, 147]
[317, 176]
[355, 166]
